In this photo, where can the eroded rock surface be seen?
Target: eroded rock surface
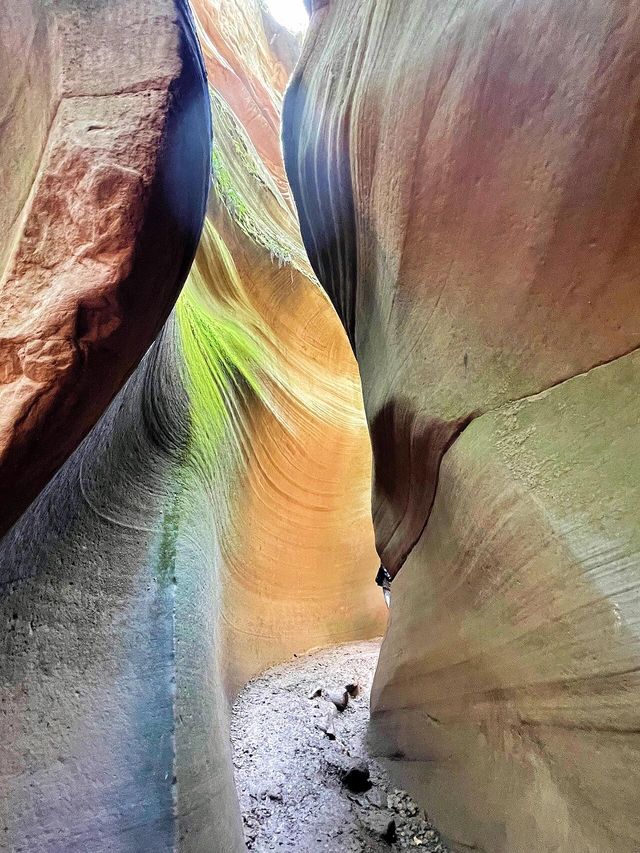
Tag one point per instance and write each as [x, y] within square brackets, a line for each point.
[466, 176]
[509, 673]
[105, 148]
[249, 59]
[276, 407]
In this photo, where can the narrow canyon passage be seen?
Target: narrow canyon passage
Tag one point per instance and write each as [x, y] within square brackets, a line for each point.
[296, 294]
[304, 775]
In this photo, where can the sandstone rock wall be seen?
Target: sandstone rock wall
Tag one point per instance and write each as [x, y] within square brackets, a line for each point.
[293, 522]
[87, 664]
[105, 152]
[240, 44]
[29, 98]
[508, 682]
[466, 176]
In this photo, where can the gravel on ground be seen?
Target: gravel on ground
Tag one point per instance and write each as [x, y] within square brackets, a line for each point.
[304, 777]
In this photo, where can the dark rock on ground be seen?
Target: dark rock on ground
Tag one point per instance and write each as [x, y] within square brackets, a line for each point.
[356, 778]
[382, 824]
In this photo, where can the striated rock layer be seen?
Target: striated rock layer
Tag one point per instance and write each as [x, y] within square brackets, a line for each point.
[215, 521]
[466, 177]
[294, 523]
[508, 685]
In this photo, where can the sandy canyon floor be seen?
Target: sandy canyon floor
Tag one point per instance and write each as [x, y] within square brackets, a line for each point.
[304, 776]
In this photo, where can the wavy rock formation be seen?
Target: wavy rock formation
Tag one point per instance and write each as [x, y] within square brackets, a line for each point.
[466, 177]
[293, 523]
[105, 149]
[215, 520]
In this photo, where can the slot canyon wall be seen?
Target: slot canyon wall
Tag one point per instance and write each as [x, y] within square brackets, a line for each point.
[467, 179]
[215, 518]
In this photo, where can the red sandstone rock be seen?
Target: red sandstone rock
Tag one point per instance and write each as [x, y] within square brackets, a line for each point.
[105, 156]
[247, 72]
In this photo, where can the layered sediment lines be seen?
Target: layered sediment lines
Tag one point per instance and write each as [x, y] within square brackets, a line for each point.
[294, 527]
[466, 178]
[214, 521]
[249, 58]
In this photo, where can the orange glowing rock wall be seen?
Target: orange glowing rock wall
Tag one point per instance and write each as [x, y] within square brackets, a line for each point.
[295, 534]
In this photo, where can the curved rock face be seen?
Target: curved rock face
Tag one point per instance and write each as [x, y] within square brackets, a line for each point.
[105, 147]
[278, 428]
[466, 177]
[249, 59]
[215, 520]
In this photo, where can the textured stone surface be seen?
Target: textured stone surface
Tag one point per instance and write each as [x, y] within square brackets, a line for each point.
[249, 66]
[87, 652]
[492, 249]
[466, 176]
[215, 520]
[292, 779]
[103, 214]
[509, 674]
[290, 460]
[28, 99]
